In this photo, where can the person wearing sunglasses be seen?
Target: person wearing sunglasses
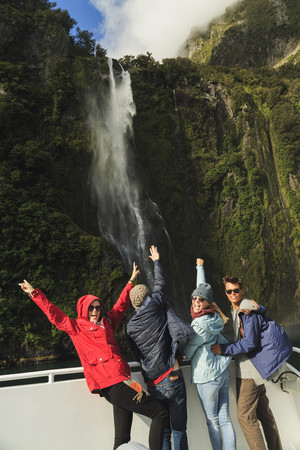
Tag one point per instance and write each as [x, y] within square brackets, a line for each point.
[106, 370]
[260, 349]
[210, 372]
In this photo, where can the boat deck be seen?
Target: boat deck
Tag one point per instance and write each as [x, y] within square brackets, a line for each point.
[63, 415]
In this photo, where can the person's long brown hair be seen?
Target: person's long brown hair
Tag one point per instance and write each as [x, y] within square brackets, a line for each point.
[218, 311]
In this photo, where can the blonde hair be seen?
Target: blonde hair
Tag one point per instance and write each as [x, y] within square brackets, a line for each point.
[222, 315]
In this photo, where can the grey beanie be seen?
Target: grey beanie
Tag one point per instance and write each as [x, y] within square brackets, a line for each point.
[138, 295]
[204, 290]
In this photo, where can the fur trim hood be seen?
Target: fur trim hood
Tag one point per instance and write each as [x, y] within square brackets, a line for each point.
[246, 306]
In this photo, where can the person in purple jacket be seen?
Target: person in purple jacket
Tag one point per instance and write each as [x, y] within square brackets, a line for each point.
[261, 348]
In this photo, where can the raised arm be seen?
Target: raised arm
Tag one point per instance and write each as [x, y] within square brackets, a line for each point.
[154, 255]
[122, 304]
[135, 273]
[26, 287]
[159, 281]
[200, 272]
[54, 314]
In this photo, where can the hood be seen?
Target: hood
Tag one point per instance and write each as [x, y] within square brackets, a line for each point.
[246, 306]
[83, 305]
[212, 324]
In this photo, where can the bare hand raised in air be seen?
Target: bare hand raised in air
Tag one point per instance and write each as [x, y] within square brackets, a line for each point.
[154, 255]
[135, 272]
[26, 287]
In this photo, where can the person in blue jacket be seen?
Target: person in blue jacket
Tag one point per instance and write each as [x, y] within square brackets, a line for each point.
[210, 372]
[261, 348]
[154, 332]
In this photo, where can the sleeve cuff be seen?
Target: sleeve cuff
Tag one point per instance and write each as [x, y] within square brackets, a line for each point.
[34, 293]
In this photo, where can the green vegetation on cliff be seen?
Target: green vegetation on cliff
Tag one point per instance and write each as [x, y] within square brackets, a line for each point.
[48, 222]
[223, 167]
[252, 33]
[216, 148]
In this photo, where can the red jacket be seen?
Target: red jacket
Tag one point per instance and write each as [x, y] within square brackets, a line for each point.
[96, 345]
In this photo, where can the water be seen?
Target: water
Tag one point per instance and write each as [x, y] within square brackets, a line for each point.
[58, 364]
[127, 217]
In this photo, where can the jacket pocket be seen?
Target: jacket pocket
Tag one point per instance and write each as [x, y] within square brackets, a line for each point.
[99, 358]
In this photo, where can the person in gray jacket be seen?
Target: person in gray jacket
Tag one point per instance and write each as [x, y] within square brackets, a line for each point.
[210, 372]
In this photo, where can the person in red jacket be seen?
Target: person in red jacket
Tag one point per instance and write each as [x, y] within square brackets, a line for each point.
[106, 371]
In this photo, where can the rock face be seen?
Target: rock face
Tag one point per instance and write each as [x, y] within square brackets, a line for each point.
[215, 148]
[251, 34]
[228, 201]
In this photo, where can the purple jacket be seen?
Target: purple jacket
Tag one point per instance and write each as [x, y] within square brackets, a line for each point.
[263, 340]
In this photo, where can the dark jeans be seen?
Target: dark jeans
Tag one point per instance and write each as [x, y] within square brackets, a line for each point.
[120, 395]
[172, 390]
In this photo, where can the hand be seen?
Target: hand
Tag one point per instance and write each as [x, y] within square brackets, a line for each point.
[216, 349]
[26, 287]
[135, 272]
[199, 262]
[154, 255]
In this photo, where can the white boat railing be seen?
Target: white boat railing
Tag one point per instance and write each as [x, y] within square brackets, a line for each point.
[50, 373]
[65, 409]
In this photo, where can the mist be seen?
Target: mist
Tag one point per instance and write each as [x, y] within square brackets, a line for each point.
[160, 27]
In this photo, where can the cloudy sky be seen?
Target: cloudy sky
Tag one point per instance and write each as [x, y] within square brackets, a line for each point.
[131, 27]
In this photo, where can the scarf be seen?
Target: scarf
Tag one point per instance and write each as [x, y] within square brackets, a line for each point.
[194, 315]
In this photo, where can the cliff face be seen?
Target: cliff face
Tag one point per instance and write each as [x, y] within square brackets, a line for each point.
[215, 148]
[49, 230]
[220, 168]
[252, 33]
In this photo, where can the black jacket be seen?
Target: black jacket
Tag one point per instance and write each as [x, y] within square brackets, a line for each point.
[154, 330]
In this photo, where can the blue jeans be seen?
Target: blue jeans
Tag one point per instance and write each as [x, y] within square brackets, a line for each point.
[215, 402]
[172, 390]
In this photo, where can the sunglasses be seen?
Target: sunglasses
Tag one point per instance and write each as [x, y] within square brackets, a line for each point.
[236, 291]
[199, 298]
[97, 308]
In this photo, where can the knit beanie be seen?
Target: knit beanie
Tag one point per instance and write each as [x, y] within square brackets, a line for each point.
[204, 290]
[138, 295]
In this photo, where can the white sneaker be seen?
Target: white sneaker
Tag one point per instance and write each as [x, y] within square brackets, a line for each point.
[132, 445]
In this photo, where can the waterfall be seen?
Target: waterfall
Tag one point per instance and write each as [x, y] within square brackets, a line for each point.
[125, 218]
[175, 101]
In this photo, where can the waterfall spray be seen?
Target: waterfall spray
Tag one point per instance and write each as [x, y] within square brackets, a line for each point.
[123, 216]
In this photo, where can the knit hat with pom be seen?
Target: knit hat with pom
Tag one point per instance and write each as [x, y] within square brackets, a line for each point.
[204, 290]
[138, 295]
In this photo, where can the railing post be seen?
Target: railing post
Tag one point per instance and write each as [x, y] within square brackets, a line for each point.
[51, 378]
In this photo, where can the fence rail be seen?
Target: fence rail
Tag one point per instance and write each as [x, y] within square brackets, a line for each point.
[52, 373]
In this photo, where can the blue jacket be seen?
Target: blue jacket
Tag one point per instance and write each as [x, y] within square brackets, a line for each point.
[154, 331]
[263, 340]
[205, 365]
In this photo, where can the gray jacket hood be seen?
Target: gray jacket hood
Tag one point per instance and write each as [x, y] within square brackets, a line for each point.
[248, 305]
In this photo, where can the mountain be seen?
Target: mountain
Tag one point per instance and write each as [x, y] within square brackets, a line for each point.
[222, 164]
[215, 147]
[253, 33]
